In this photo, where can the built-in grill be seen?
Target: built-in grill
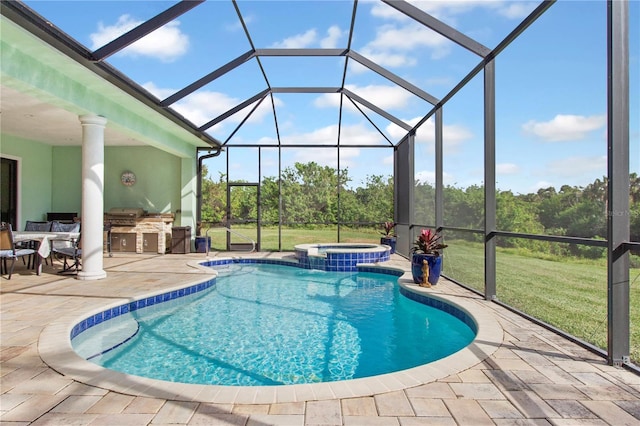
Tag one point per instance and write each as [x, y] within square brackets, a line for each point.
[118, 216]
[134, 230]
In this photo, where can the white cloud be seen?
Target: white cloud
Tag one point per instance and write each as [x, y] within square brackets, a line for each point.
[577, 166]
[334, 34]
[167, 43]
[298, 41]
[425, 176]
[450, 8]
[323, 136]
[106, 34]
[402, 34]
[311, 38]
[202, 106]
[565, 127]
[407, 38]
[453, 135]
[158, 92]
[507, 169]
[358, 134]
[384, 97]
[575, 171]
[327, 100]
[429, 176]
[516, 10]
[395, 45]
[326, 157]
[349, 135]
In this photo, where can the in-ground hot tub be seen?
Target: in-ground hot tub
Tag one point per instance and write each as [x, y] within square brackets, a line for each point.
[340, 257]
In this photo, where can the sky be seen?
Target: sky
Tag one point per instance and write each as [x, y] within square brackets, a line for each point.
[550, 83]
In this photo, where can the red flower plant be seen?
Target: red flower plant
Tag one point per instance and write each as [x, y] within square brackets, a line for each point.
[388, 229]
[428, 242]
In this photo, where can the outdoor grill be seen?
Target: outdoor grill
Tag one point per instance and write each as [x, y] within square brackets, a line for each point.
[123, 216]
[137, 231]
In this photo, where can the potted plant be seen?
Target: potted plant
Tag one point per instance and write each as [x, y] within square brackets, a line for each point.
[426, 262]
[389, 237]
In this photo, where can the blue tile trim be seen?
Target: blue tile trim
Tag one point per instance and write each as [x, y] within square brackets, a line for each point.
[343, 266]
[340, 262]
[111, 313]
[443, 306]
[117, 344]
[380, 270]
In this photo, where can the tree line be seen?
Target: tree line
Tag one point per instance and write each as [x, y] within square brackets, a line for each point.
[314, 195]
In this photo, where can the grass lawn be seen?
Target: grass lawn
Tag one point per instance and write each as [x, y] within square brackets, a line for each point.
[293, 236]
[569, 293]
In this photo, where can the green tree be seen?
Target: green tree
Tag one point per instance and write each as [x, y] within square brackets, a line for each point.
[375, 199]
[424, 203]
[310, 193]
[270, 200]
[214, 196]
[464, 207]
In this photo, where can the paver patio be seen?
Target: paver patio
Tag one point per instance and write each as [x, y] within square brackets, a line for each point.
[531, 377]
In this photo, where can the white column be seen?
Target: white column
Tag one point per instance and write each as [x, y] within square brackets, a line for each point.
[92, 196]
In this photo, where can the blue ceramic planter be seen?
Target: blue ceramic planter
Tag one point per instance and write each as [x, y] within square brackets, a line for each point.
[435, 267]
[391, 242]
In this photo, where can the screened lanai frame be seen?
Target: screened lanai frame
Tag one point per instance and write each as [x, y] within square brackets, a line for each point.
[618, 159]
[617, 243]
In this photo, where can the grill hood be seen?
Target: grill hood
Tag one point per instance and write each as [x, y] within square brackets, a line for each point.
[132, 212]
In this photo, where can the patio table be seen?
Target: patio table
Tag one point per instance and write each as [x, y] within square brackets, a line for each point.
[44, 242]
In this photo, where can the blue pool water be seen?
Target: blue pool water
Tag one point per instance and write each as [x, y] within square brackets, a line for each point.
[266, 324]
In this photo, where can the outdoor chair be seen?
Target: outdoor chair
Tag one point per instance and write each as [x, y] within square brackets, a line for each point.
[57, 226]
[37, 226]
[8, 250]
[66, 250]
[70, 256]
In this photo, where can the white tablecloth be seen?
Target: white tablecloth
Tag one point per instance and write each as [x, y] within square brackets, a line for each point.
[45, 238]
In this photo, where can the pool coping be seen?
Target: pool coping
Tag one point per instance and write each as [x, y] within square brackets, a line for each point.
[54, 346]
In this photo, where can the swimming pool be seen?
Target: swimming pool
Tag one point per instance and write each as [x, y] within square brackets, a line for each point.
[303, 326]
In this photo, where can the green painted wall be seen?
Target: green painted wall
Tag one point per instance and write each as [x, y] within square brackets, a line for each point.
[51, 178]
[35, 161]
[157, 187]
[67, 179]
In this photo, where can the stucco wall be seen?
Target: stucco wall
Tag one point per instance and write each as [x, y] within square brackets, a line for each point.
[157, 187]
[66, 187]
[158, 184]
[51, 178]
[35, 175]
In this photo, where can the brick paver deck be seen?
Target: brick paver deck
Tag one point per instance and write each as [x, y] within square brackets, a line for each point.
[530, 376]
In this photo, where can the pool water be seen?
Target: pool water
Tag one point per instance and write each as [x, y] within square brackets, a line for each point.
[265, 324]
